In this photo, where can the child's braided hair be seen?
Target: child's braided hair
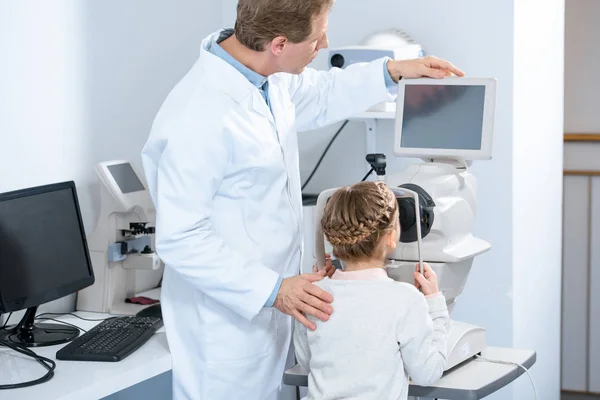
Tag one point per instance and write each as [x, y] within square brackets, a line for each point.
[356, 217]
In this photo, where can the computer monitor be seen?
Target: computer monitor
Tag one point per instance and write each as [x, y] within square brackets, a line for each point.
[450, 118]
[43, 256]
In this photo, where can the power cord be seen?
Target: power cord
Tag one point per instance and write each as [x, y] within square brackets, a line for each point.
[47, 363]
[138, 215]
[367, 175]
[39, 317]
[76, 316]
[324, 153]
[60, 322]
[6, 322]
[513, 364]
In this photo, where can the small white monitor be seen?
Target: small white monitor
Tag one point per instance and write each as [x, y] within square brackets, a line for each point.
[121, 181]
[450, 118]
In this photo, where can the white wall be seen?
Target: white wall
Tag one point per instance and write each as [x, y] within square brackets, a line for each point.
[135, 53]
[582, 62]
[537, 189]
[41, 107]
[81, 83]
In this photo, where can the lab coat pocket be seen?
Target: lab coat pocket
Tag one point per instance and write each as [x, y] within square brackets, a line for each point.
[236, 339]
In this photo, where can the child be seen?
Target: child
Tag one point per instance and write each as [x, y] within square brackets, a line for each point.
[381, 331]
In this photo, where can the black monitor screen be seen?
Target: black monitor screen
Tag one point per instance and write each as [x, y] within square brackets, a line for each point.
[43, 249]
[443, 117]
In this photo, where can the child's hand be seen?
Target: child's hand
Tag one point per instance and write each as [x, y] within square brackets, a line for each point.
[428, 284]
[329, 268]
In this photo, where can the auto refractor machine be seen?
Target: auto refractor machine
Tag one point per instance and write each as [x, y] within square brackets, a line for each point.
[128, 272]
[447, 123]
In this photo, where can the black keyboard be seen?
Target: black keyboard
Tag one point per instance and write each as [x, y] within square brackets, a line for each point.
[111, 340]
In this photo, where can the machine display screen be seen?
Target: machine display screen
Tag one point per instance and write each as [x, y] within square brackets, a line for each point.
[443, 117]
[126, 178]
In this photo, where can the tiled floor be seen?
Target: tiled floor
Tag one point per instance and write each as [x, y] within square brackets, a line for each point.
[572, 396]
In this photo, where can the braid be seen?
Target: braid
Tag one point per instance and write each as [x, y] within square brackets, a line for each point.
[357, 215]
[343, 234]
[386, 205]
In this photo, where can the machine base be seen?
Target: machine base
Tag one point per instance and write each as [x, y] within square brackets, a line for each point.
[464, 342]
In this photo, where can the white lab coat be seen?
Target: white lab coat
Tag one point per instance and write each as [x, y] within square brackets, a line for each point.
[223, 174]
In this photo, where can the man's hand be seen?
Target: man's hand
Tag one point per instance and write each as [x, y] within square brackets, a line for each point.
[329, 267]
[298, 296]
[429, 67]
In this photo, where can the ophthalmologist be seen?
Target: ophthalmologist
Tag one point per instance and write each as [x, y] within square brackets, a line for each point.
[222, 168]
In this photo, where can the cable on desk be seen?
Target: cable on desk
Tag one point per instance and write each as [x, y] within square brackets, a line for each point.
[60, 322]
[513, 364]
[58, 314]
[47, 363]
[74, 315]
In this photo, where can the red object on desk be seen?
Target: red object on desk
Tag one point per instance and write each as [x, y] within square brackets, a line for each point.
[142, 300]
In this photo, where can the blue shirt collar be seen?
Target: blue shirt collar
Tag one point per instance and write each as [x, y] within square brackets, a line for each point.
[255, 78]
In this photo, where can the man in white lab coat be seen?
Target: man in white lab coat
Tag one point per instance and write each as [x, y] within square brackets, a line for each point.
[222, 168]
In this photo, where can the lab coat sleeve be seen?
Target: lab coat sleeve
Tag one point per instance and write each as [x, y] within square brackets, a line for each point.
[301, 346]
[422, 336]
[325, 97]
[190, 171]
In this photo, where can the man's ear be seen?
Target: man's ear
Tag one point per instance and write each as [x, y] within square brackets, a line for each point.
[278, 45]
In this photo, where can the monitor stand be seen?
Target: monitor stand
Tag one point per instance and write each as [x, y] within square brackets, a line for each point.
[29, 334]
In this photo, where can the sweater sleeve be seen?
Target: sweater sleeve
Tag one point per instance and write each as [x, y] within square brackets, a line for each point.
[422, 336]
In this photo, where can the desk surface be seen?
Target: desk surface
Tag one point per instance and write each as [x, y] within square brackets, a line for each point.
[83, 380]
[471, 380]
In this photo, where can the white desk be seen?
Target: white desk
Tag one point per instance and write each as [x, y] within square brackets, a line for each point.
[75, 380]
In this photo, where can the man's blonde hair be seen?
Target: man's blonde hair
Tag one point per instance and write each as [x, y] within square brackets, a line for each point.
[260, 21]
[356, 217]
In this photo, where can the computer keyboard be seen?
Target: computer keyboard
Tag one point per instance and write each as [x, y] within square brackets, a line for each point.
[111, 340]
